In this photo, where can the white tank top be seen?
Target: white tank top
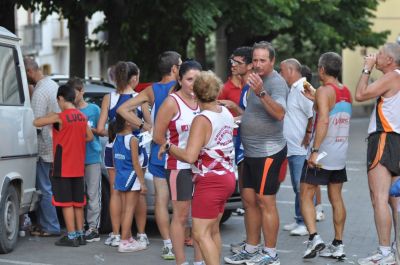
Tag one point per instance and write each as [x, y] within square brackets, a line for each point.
[336, 141]
[216, 157]
[178, 130]
[385, 116]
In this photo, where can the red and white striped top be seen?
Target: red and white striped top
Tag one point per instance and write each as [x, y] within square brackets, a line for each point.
[216, 157]
[178, 130]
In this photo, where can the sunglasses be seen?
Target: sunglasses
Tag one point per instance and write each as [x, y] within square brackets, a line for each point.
[234, 62]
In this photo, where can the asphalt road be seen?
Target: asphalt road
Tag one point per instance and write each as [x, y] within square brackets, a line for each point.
[359, 239]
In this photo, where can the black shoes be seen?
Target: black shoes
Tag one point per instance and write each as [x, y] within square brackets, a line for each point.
[65, 241]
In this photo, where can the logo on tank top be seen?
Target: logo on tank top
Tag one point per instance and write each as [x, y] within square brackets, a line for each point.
[74, 117]
[224, 136]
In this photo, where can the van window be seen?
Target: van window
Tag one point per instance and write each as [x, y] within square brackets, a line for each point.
[11, 91]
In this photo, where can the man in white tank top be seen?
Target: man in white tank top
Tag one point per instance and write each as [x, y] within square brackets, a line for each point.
[383, 154]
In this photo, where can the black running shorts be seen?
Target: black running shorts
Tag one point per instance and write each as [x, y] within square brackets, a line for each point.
[384, 148]
[68, 192]
[320, 176]
[180, 184]
[262, 173]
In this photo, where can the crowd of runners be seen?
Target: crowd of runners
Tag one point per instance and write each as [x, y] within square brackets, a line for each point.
[258, 122]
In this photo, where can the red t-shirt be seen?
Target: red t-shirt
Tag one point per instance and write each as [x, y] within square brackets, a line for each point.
[69, 144]
[231, 92]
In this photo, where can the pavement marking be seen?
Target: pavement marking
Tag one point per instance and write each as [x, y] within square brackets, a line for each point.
[22, 262]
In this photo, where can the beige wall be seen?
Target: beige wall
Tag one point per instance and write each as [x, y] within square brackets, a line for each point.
[387, 18]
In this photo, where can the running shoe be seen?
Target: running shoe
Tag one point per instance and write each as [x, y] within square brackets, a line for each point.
[130, 246]
[264, 259]
[65, 241]
[167, 253]
[113, 240]
[331, 251]
[238, 247]
[241, 257]
[378, 258]
[92, 235]
[313, 247]
[143, 238]
[300, 230]
[290, 227]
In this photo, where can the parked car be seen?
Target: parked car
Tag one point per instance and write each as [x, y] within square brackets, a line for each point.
[18, 145]
[95, 89]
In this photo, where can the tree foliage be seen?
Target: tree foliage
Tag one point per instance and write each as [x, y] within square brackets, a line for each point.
[141, 29]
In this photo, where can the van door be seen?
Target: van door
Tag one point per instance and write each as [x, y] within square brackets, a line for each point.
[18, 140]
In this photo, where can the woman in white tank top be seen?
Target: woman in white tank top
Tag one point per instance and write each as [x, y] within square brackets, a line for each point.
[210, 150]
[172, 124]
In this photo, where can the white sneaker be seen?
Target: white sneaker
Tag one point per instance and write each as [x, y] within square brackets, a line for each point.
[127, 246]
[313, 247]
[237, 247]
[167, 253]
[112, 240]
[143, 239]
[300, 230]
[332, 251]
[319, 213]
[290, 227]
[378, 258]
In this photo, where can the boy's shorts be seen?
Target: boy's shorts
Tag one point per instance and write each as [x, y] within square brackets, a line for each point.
[68, 192]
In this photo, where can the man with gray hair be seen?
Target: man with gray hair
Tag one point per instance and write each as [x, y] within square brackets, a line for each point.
[326, 163]
[383, 152]
[44, 101]
[297, 129]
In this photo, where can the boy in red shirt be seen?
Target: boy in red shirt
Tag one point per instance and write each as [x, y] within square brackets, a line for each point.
[70, 133]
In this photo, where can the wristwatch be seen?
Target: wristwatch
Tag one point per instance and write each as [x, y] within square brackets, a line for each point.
[167, 147]
[141, 125]
[365, 71]
[314, 150]
[261, 94]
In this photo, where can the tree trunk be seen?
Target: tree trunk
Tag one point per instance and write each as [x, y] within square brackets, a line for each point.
[115, 15]
[7, 14]
[200, 50]
[77, 52]
[221, 54]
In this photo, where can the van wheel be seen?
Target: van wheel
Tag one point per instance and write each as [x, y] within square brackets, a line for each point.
[225, 216]
[105, 221]
[9, 220]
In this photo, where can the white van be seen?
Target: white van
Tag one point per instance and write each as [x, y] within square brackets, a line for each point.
[18, 142]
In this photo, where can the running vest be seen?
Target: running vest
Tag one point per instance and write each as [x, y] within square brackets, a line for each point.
[116, 100]
[123, 157]
[69, 144]
[388, 119]
[160, 92]
[216, 157]
[336, 140]
[178, 130]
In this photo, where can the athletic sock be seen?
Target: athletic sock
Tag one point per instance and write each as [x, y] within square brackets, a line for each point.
[251, 248]
[72, 235]
[167, 243]
[385, 250]
[270, 251]
[79, 233]
[337, 242]
[311, 237]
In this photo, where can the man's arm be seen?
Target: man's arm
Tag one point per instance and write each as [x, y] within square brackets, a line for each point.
[165, 114]
[51, 118]
[307, 133]
[125, 110]
[322, 100]
[273, 108]
[375, 89]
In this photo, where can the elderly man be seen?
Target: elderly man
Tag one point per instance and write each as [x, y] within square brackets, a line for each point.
[44, 101]
[383, 155]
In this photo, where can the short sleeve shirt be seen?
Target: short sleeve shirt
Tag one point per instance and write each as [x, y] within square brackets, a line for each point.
[262, 134]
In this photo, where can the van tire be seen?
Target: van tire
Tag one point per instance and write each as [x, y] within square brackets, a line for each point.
[105, 218]
[9, 219]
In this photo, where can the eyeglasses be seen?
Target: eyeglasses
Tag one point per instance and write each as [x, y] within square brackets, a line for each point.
[234, 62]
